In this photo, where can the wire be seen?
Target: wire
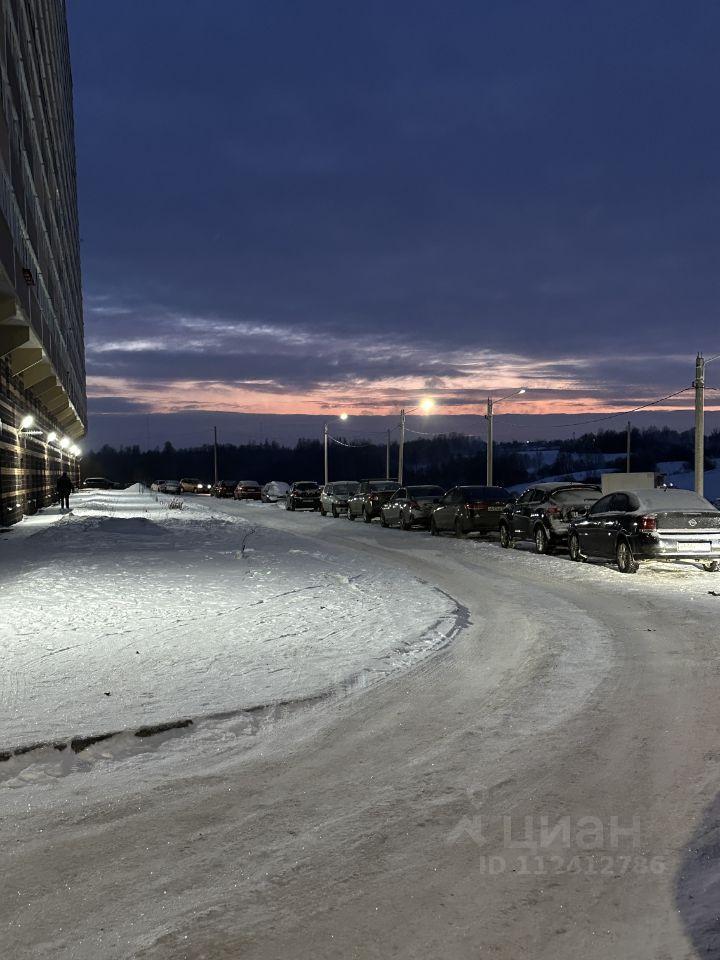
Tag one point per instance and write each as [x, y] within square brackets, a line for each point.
[353, 446]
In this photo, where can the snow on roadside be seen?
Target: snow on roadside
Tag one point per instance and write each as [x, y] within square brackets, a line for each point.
[129, 613]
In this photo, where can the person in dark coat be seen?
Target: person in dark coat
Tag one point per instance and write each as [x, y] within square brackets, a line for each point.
[64, 488]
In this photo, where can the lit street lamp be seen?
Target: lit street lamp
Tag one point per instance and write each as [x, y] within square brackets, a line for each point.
[343, 416]
[426, 406]
[489, 417]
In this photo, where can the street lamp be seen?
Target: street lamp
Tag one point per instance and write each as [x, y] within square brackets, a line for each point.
[343, 416]
[426, 405]
[27, 422]
[489, 417]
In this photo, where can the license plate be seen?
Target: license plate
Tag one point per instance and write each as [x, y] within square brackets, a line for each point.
[697, 546]
[494, 509]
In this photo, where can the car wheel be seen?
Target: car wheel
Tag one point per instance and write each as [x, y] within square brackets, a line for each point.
[366, 516]
[459, 532]
[504, 536]
[334, 511]
[542, 540]
[626, 563]
[351, 515]
[574, 548]
[712, 567]
[405, 522]
[433, 528]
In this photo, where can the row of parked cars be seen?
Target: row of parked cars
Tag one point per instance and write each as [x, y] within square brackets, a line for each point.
[626, 526]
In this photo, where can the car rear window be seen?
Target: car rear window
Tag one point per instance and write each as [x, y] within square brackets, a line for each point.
[671, 499]
[306, 486]
[485, 493]
[383, 485]
[576, 495]
[344, 488]
[420, 492]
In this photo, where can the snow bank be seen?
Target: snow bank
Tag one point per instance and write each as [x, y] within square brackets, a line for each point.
[129, 613]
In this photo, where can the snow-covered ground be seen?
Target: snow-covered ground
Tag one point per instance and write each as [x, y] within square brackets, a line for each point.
[367, 826]
[127, 613]
[676, 474]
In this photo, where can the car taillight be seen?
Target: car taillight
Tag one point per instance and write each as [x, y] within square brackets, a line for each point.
[647, 523]
[553, 512]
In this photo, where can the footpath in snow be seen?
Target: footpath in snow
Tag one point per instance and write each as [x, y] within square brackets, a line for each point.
[127, 613]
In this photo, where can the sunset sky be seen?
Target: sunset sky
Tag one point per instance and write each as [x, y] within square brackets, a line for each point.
[305, 208]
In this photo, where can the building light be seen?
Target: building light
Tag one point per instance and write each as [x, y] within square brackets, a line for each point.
[27, 422]
[75, 451]
[64, 443]
[52, 437]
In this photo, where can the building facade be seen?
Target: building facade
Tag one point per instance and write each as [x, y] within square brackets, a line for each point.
[43, 405]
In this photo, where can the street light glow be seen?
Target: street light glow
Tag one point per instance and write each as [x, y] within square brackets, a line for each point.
[27, 422]
[64, 443]
[52, 437]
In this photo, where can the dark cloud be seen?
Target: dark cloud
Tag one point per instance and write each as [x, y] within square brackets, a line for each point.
[387, 186]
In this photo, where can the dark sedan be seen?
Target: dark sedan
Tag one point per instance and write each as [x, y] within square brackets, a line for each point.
[466, 510]
[369, 497]
[410, 506]
[543, 513]
[303, 495]
[224, 489]
[247, 490]
[663, 524]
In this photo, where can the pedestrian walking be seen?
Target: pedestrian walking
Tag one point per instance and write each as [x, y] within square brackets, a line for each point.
[64, 488]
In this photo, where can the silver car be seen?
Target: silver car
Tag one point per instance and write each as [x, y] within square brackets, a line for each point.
[411, 506]
[274, 491]
[334, 497]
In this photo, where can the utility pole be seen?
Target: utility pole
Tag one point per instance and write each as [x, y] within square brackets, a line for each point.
[489, 418]
[629, 433]
[215, 456]
[325, 452]
[699, 385]
[402, 446]
[387, 457]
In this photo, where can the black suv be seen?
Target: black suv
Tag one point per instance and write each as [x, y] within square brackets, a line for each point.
[544, 513]
[303, 495]
[367, 501]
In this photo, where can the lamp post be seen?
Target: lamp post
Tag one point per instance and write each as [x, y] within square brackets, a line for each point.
[343, 416]
[426, 406]
[489, 417]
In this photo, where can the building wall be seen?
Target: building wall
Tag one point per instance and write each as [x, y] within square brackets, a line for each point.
[42, 363]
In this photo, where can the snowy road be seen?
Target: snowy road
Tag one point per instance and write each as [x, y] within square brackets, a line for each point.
[545, 787]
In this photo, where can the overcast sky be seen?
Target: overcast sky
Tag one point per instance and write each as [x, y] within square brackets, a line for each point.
[302, 208]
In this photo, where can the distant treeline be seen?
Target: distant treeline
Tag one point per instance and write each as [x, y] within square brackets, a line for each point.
[446, 460]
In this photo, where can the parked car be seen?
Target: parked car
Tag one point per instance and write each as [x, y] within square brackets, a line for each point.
[303, 495]
[634, 525]
[369, 497]
[334, 497]
[247, 490]
[171, 486]
[158, 486]
[467, 509]
[224, 489]
[98, 483]
[193, 485]
[544, 512]
[411, 505]
[274, 491]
